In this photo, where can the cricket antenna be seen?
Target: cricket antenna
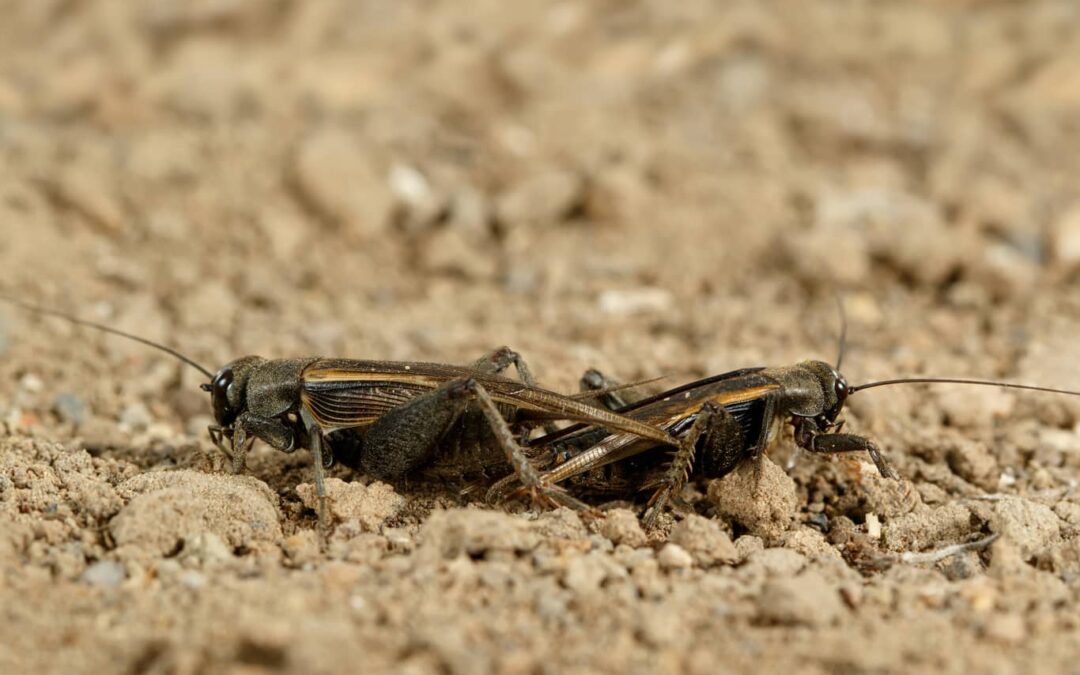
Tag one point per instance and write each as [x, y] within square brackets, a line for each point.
[843, 331]
[960, 380]
[104, 329]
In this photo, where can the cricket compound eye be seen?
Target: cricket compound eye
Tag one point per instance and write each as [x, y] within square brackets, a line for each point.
[219, 397]
[841, 389]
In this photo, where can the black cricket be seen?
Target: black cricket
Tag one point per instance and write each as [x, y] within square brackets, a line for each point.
[391, 419]
[721, 421]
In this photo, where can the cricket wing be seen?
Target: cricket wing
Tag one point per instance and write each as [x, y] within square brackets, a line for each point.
[343, 393]
[674, 412]
[557, 406]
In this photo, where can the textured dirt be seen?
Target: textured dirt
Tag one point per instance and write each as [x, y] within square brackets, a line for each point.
[651, 188]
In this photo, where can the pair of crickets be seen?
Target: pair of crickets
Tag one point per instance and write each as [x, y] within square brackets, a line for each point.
[402, 420]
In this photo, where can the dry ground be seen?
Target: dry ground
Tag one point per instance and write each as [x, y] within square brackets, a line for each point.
[652, 188]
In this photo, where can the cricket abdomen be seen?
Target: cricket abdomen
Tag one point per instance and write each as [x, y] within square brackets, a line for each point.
[465, 451]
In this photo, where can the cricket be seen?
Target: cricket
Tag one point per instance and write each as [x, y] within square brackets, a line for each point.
[721, 421]
[392, 418]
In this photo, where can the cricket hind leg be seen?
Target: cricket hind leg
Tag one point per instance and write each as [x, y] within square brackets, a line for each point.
[718, 433]
[499, 360]
[540, 491]
[833, 443]
[408, 437]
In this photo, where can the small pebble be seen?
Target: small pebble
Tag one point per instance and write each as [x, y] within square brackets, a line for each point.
[674, 557]
[1065, 237]
[31, 383]
[585, 573]
[70, 407]
[104, 573]
[747, 545]
[873, 526]
[135, 417]
[626, 302]
[192, 579]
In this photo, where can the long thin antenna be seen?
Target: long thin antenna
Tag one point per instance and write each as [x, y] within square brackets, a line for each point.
[960, 380]
[104, 329]
[843, 331]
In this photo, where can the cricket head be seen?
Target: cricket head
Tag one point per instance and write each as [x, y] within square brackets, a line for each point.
[228, 390]
[833, 389]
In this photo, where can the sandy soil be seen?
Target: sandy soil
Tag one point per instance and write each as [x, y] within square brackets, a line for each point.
[651, 188]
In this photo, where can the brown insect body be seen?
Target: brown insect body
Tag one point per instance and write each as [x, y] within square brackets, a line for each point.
[722, 421]
[392, 418]
[270, 399]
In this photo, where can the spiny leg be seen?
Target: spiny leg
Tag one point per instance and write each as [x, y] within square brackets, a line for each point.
[540, 491]
[678, 471]
[837, 443]
[407, 437]
[502, 358]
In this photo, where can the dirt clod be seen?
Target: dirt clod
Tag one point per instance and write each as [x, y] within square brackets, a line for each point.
[473, 533]
[622, 526]
[369, 505]
[923, 528]
[807, 599]
[1025, 524]
[704, 540]
[240, 510]
[762, 503]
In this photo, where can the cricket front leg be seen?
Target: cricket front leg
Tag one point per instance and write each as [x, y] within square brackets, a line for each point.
[241, 436]
[837, 443]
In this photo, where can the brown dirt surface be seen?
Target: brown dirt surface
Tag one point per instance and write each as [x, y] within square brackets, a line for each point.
[651, 188]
